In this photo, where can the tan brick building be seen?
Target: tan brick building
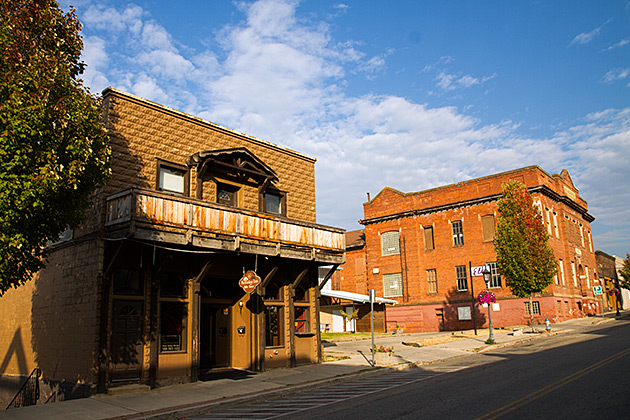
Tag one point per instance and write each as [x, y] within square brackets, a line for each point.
[147, 291]
[419, 249]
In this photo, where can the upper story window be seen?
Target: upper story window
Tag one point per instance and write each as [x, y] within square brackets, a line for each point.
[458, 233]
[390, 243]
[274, 201]
[488, 229]
[172, 178]
[227, 194]
[428, 238]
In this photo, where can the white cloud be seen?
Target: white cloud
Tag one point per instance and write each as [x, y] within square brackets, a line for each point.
[619, 44]
[448, 81]
[616, 74]
[95, 55]
[586, 37]
[282, 79]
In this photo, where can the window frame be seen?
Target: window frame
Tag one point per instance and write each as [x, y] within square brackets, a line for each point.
[495, 276]
[280, 316]
[173, 167]
[390, 250]
[432, 283]
[458, 233]
[488, 230]
[461, 274]
[535, 306]
[428, 231]
[388, 280]
[282, 201]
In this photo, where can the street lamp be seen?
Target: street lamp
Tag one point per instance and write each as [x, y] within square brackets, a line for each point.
[486, 277]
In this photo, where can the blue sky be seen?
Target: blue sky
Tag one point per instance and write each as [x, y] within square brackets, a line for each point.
[406, 94]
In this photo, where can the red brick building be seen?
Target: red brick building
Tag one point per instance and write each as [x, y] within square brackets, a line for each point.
[418, 248]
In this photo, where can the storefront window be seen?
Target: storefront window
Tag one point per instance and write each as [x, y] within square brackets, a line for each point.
[128, 282]
[274, 292]
[301, 293]
[172, 326]
[302, 324]
[172, 285]
[274, 321]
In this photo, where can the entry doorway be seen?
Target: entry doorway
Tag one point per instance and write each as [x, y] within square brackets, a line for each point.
[126, 343]
[215, 336]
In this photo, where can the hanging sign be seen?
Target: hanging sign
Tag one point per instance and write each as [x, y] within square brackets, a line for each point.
[477, 271]
[249, 281]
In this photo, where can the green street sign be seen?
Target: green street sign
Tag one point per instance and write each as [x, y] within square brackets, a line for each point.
[597, 290]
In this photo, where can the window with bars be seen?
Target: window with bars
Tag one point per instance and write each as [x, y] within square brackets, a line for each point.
[458, 233]
[462, 278]
[392, 285]
[390, 243]
[495, 275]
[432, 286]
[535, 306]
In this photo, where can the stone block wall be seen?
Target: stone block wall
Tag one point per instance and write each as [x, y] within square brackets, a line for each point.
[143, 132]
[52, 322]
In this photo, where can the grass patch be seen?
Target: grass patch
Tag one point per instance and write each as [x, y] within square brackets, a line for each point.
[333, 358]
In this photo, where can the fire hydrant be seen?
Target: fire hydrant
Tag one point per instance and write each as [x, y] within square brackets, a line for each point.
[548, 325]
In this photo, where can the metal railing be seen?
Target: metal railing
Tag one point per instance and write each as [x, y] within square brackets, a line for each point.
[29, 393]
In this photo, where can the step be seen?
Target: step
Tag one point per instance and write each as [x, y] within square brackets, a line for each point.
[128, 389]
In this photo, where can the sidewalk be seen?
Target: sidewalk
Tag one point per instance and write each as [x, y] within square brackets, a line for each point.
[191, 399]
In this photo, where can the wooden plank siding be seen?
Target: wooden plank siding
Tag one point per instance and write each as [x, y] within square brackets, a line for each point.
[191, 214]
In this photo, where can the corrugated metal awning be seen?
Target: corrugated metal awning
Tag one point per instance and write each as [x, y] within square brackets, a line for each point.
[356, 297]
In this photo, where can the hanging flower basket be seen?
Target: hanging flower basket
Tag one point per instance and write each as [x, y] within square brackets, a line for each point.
[613, 292]
[486, 296]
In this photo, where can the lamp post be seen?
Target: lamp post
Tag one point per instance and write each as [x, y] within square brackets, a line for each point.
[486, 277]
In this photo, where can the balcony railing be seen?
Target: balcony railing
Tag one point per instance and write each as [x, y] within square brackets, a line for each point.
[205, 218]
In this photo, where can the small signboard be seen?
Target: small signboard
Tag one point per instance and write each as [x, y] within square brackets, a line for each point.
[477, 271]
[597, 290]
[249, 281]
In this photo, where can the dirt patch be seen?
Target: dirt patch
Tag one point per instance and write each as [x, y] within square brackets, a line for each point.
[440, 339]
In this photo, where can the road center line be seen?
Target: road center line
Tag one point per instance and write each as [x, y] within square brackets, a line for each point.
[552, 387]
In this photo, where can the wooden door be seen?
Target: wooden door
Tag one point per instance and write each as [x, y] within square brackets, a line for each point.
[126, 344]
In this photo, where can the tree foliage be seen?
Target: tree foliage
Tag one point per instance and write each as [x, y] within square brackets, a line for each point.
[523, 254]
[624, 281]
[53, 147]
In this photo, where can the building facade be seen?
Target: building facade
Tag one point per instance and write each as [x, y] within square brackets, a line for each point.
[611, 292]
[421, 248]
[201, 253]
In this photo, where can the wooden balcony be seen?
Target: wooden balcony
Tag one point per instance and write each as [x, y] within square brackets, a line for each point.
[155, 216]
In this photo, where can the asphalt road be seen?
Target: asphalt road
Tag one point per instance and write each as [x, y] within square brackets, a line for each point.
[581, 375]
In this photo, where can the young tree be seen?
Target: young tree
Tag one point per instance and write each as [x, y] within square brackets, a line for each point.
[53, 147]
[523, 255]
[624, 280]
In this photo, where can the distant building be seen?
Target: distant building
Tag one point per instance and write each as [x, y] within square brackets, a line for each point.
[606, 267]
[148, 291]
[625, 293]
[418, 248]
